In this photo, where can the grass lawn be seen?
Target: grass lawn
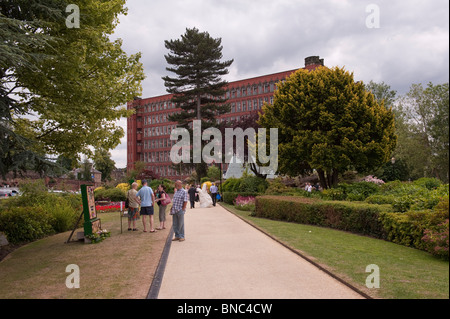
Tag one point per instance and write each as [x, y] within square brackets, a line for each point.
[121, 266]
[405, 273]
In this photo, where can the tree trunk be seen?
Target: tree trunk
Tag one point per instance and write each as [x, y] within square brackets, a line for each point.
[255, 171]
[334, 178]
[199, 105]
[322, 179]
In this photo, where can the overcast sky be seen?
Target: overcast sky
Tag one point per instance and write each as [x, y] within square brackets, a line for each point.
[399, 42]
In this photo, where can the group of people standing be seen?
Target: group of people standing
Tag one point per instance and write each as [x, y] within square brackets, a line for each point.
[197, 194]
[146, 198]
[309, 188]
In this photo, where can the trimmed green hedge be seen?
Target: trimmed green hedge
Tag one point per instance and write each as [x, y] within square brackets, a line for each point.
[378, 221]
[354, 217]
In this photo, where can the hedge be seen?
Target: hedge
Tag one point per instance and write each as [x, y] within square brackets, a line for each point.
[378, 221]
[409, 228]
[354, 217]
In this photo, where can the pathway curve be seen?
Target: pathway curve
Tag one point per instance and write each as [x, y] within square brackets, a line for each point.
[223, 257]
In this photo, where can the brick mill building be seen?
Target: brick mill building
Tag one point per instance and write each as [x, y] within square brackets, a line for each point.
[148, 130]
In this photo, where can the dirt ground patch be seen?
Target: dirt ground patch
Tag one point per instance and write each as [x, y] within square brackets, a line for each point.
[122, 266]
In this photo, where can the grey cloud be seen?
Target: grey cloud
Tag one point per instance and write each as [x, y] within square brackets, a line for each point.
[267, 36]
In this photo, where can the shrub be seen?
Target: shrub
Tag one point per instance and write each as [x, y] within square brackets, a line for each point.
[229, 197]
[64, 214]
[359, 191]
[380, 199]
[276, 187]
[253, 184]
[23, 224]
[437, 240]
[110, 194]
[231, 185]
[355, 217]
[245, 203]
[428, 183]
[408, 228]
[373, 179]
[403, 204]
[402, 188]
[334, 194]
[124, 187]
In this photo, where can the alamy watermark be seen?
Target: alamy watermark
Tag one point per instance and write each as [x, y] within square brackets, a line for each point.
[373, 280]
[373, 19]
[212, 151]
[73, 19]
[73, 279]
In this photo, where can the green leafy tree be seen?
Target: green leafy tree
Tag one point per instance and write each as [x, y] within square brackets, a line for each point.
[198, 87]
[85, 173]
[104, 163]
[423, 130]
[382, 93]
[328, 122]
[72, 81]
[213, 173]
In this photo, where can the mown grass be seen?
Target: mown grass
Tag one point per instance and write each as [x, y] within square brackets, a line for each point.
[405, 273]
[121, 266]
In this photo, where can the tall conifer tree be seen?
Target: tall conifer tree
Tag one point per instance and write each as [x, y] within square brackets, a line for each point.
[198, 87]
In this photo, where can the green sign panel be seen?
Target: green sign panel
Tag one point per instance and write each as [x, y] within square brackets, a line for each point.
[91, 222]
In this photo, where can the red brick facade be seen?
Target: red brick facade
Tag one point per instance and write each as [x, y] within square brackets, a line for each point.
[148, 131]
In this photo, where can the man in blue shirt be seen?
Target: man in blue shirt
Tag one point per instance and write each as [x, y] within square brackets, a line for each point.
[213, 189]
[147, 203]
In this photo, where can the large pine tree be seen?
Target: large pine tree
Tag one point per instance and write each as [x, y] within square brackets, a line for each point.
[197, 86]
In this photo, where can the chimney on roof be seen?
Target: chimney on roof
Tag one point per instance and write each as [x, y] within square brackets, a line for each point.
[313, 60]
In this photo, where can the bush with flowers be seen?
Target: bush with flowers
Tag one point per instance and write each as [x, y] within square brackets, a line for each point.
[373, 179]
[437, 240]
[246, 203]
[123, 187]
[98, 236]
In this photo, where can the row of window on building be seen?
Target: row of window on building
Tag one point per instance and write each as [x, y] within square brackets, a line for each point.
[249, 90]
[163, 130]
[245, 106]
[237, 107]
[162, 170]
[231, 93]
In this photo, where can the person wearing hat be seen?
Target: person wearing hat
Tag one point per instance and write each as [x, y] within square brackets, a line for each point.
[147, 203]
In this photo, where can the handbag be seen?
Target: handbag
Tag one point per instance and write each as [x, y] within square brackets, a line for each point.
[127, 201]
[166, 200]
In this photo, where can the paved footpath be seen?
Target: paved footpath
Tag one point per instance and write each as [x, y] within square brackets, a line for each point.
[223, 257]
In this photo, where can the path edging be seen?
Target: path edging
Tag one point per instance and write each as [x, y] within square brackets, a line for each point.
[153, 292]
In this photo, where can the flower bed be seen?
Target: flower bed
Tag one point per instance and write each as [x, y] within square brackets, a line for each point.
[246, 203]
[110, 207]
